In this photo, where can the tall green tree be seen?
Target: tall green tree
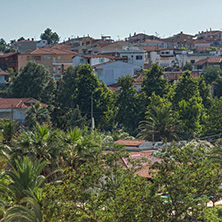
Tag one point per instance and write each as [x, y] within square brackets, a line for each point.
[34, 81]
[159, 124]
[185, 88]
[190, 113]
[211, 74]
[127, 103]
[154, 82]
[50, 36]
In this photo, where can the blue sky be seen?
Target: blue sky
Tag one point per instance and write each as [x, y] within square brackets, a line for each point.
[117, 18]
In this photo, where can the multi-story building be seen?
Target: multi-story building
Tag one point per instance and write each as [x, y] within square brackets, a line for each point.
[9, 60]
[55, 58]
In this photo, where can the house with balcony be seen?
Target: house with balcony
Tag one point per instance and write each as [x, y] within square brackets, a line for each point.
[55, 58]
[132, 56]
[207, 62]
[9, 60]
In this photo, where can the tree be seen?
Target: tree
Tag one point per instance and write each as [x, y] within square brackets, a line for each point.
[190, 113]
[37, 114]
[51, 37]
[211, 74]
[159, 124]
[154, 82]
[185, 88]
[186, 179]
[127, 103]
[20, 39]
[187, 66]
[34, 81]
[23, 178]
[213, 118]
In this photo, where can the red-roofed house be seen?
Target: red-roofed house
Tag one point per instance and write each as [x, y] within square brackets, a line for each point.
[55, 58]
[15, 108]
[209, 61]
[9, 60]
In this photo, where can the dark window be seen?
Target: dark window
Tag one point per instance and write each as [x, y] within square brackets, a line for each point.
[139, 57]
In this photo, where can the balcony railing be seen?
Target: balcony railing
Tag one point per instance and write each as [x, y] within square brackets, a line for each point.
[58, 61]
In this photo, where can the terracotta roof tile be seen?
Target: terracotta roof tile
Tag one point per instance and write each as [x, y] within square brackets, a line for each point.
[6, 103]
[130, 142]
[3, 73]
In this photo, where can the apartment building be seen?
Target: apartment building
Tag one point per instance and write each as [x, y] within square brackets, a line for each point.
[55, 58]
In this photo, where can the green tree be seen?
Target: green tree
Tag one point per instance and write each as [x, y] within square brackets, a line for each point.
[154, 82]
[213, 119]
[159, 124]
[211, 74]
[127, 103]
[23, 178]
[186, 179]
[51, 37]
[190, 113]
[37, 114]
[34, 81]
[187, 66]
[20, 39]
[185, 88]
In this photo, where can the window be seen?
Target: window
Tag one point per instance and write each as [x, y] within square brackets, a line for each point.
[101, 60]
[139, 57]
[81, 61]
[59, 57]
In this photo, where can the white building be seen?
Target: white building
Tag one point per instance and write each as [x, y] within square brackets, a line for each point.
[133, 56]
[111, 71]
[15, 108]
[91, 59]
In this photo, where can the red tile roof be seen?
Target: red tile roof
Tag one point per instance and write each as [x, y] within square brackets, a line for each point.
[145, 171]
[130, 142]
[149, 48]
[24, 103]
[101, 64]
[8, 54]
[3, 73]
[209, 60]
[54, 50]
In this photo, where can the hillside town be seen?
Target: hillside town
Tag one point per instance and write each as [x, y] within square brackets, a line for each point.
[111, 130]
[111, 59]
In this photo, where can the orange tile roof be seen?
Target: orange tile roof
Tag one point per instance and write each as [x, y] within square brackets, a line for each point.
[149, 48]
[8, 103]
[55, 50]
[3, 73]
[209, 60]
[130, 142]
[8, 54]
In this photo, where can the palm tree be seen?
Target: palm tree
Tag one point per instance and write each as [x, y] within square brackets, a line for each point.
[23, 178]
[159, 124]
[42, 142]
[9, 129]
[37, 114]
[29, 211]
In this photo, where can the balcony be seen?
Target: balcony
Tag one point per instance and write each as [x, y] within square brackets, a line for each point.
[60, 62]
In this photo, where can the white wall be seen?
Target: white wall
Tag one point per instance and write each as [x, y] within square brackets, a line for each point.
[109, 73]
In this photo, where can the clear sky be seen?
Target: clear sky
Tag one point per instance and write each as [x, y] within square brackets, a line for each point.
[118, 18]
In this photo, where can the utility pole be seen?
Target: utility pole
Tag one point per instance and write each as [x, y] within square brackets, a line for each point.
[92, 118]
